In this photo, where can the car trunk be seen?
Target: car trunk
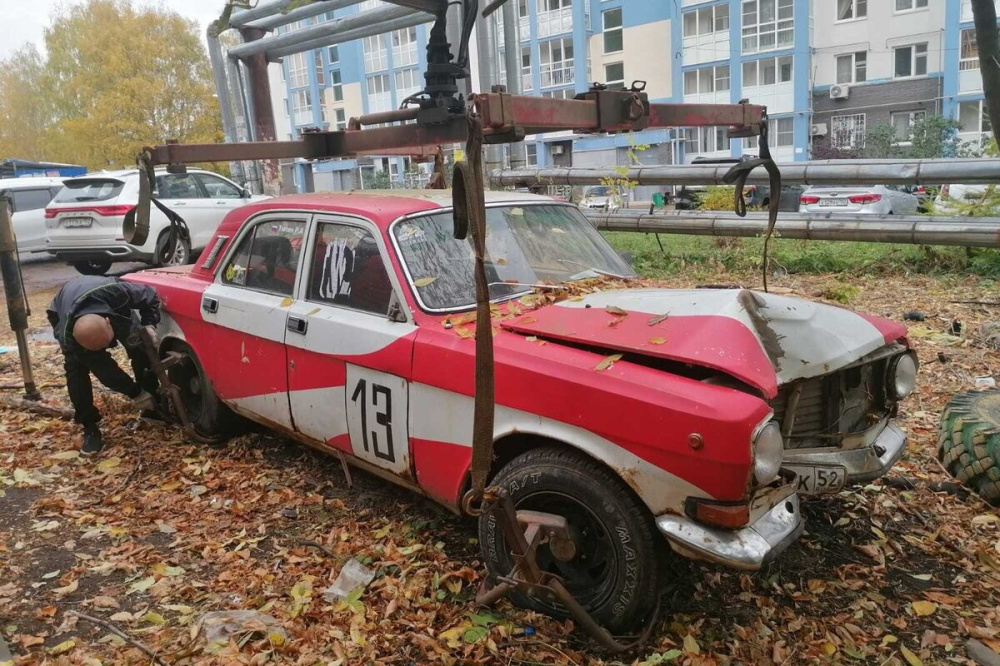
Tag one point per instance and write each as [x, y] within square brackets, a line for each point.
[838, 200]
[86, 213]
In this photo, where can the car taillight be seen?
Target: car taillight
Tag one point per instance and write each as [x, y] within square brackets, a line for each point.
[728, 515]
[106, 211]
[50, 213]
[944, 191]
[809, 200]
[865, 198]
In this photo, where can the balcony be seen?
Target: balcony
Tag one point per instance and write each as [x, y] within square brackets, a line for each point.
[559, 74]
[970, 79]
[303, 117]
[557, 22]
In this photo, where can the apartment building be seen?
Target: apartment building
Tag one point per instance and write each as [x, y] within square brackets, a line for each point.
[826, 69]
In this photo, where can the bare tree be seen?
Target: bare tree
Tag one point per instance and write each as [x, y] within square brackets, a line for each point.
[988, 40]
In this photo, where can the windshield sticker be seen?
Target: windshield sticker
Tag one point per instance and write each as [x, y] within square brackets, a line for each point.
[408, 234]
[338, 266]
[236, 274]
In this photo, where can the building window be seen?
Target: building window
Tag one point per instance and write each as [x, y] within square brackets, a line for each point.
[705, 140]
[336, 84]
[910, 61]
[376, 57]
[334, 54]
[848, 131]
[320, 80]
[408, 82]
[555, 17]
[302, 107]
[526, 83]
[556, 62]
[340, 117]
[404, 47]
[902, 123]
[852, 67]
[706, 80]
[973, 117]
[909, 5]
[970, 50]
[767, 72]
[298, 70]
[379, 93]
[565, 93]
[767, 25]
[531, 154]
[706, 21]
[783, 131]
[612, 30]
[851, 9]
[614, 76]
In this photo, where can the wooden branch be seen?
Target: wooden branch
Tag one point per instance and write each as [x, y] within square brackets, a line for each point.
[981, 654]
[317, 545]
[36, 407]
[120, 634]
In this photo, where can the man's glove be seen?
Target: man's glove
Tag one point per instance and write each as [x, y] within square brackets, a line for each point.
[144, 401]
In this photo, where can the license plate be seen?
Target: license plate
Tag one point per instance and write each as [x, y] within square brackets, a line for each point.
[77, 222]
[815, 479]
[833, 202]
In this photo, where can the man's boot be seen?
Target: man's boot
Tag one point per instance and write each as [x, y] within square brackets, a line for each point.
[92, 442]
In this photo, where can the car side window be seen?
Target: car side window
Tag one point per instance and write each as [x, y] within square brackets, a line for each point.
[267, 258]
[178, 186]
[218, 188]
[30, 199]
[348, 270]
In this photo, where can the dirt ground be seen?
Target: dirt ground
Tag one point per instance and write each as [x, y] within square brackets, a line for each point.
[157, 531]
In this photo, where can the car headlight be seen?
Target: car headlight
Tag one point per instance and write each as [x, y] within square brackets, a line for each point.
[902, 376]
[768, 452]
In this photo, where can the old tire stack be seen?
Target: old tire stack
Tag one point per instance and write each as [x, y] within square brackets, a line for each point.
[969, 441]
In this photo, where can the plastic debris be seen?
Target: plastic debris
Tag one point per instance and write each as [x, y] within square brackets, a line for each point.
[352, 576]
[985, 382]
[220, 626]
[8, 350]
[914, 315]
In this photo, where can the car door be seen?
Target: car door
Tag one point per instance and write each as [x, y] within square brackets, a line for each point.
[29, 217]
[183, 194]
[246, 308]
[223, 196]
[349, 361]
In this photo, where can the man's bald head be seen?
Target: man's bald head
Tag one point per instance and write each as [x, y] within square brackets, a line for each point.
[93, 332]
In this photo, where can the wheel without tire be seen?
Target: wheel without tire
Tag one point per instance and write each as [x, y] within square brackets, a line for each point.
[614, 572]
[969, 441]
[211, 418]
[179, 256]
[92, 267]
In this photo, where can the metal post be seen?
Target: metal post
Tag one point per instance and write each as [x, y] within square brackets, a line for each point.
[260, 95]
[299, 13]
[223, 95]
[453, 29]
[487, 55]
[17, 303]
[512, 59]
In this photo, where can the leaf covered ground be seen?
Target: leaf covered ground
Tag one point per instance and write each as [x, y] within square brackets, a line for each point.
[157, 531]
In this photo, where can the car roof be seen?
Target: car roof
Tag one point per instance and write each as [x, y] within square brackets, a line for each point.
[28, 183]
[124, 173]
[384, 206]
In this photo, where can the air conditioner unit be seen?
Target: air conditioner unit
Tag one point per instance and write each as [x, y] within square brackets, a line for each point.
[819, 130]
[557, 150]
[840, 92]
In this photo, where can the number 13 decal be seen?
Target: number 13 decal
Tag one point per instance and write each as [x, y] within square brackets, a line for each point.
[376, 417]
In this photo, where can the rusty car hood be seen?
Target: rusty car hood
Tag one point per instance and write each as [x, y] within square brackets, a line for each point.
[764, 340]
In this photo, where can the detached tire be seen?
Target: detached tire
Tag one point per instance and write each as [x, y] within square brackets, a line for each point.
[969, 441]
[211, 418]
[615, 571]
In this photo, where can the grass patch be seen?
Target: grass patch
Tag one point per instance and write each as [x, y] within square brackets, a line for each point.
[694, 255]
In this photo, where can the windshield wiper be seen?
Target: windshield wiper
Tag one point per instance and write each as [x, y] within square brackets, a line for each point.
[526, 285]
[592, 270]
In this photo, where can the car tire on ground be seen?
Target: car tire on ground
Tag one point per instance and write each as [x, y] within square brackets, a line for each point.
[92, 267]
[179, 257]
[615, 572]
[969, 441]
[211, 418]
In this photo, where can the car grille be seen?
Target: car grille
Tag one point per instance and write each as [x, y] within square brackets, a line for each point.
[829, 407]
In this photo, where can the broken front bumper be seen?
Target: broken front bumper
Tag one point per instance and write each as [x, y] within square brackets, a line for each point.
[748, 548]
[860, 458]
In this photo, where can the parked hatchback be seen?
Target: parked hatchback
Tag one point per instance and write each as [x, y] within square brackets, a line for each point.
[26, 202]
[950, 197]
[859, 200]
[84, 221]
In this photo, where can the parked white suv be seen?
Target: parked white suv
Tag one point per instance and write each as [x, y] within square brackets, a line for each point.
[84, 221]
[26, 201]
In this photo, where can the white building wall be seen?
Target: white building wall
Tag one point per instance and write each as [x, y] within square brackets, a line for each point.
[279, 98]
[646, 56]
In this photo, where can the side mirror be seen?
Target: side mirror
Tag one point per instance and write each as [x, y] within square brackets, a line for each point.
[245, 192]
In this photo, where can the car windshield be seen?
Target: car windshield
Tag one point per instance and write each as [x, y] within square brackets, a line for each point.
[598, 192]
[525, 245]
[89, 189]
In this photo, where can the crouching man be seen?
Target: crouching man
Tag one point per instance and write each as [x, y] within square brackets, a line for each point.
[90, 315]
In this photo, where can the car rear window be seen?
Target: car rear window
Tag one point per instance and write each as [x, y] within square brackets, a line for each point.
[89, 189]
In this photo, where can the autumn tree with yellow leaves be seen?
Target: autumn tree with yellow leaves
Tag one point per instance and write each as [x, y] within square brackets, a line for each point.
[115, 77]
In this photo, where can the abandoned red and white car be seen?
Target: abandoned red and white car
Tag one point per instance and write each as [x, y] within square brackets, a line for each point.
[343, 320]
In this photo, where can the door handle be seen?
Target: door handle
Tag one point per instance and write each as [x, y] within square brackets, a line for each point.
[296, 324]
[179, 203]
[210, 305]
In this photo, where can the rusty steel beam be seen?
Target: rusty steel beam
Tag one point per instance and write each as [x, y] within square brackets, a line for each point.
[705, 115]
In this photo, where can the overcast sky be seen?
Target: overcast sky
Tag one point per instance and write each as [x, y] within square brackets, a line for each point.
[25, 20]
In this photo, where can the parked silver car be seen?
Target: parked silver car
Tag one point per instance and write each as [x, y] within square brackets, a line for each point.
[860, 199]
[950, 197]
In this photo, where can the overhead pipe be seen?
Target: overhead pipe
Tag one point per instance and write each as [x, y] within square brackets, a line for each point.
[915, 229]
[512, 61]
[825, 172]
[358, 33]
[324, 33]
[314, 8]
[221, 84]
[262, 10]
